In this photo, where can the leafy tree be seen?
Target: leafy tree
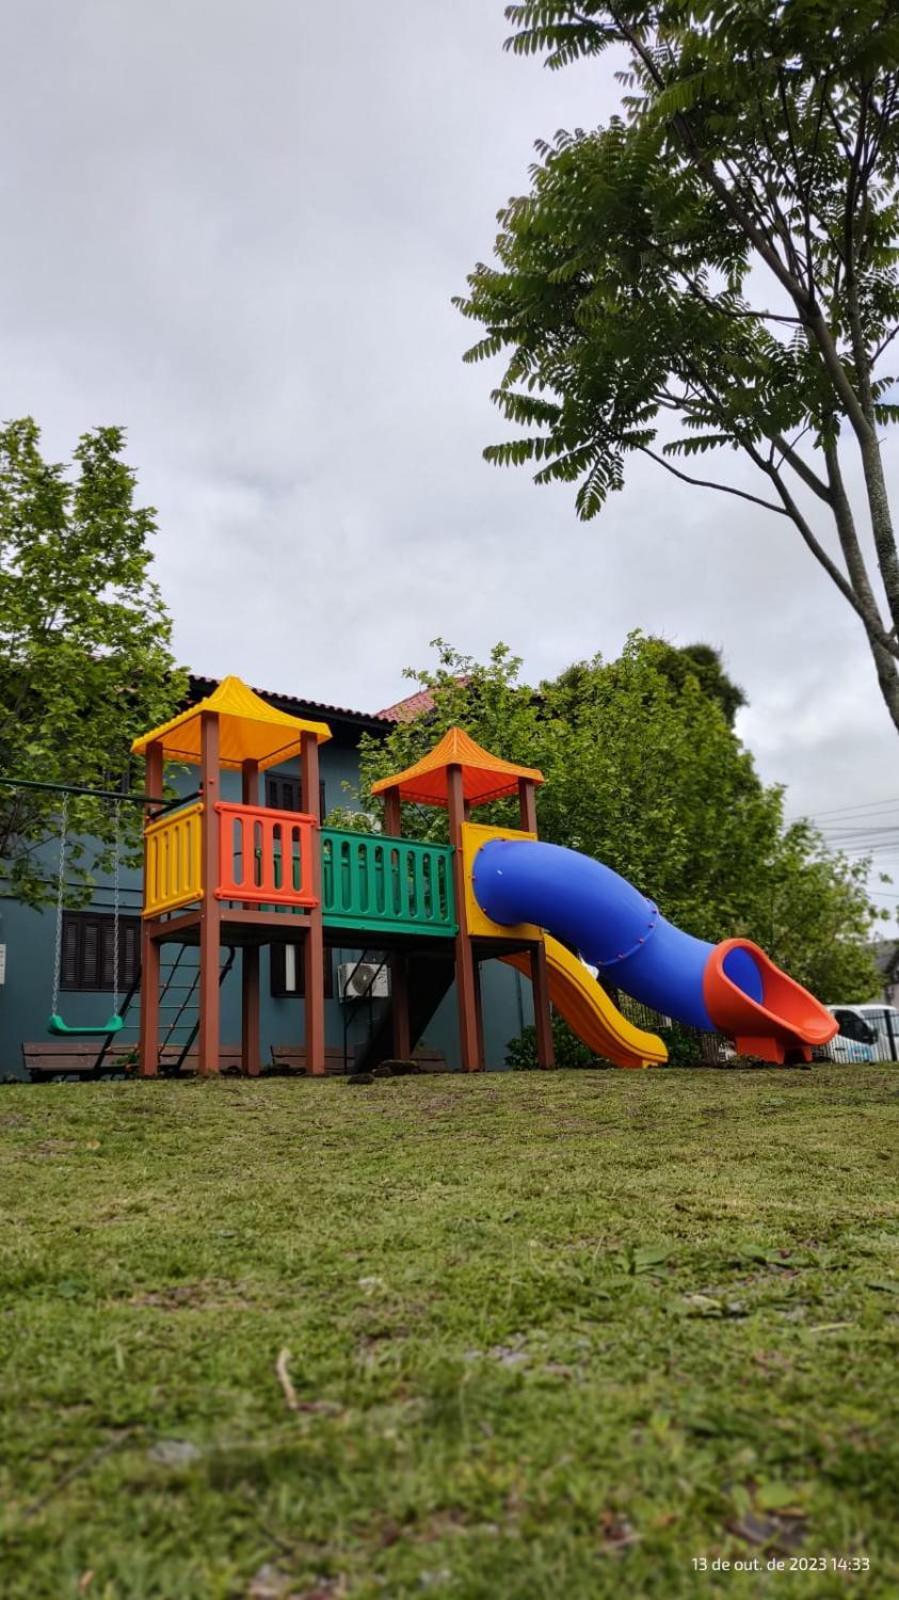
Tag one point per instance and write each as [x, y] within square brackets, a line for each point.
[715, 269]
[85, 663]
[644, 772]
[705, 664]
[488, 700]
[820, 921]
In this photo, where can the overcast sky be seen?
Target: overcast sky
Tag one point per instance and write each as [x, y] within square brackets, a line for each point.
[234, 227]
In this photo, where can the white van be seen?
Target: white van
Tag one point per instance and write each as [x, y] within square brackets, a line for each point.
[867, 1033]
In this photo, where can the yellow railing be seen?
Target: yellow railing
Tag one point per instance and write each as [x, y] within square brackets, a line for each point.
[173, 871]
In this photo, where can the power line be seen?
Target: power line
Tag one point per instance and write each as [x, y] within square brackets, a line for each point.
[840, 812]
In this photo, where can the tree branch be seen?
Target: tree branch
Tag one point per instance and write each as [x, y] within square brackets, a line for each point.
[801, 468]
[708, 483]
[873, 628]
[883, 345]
[805, 302]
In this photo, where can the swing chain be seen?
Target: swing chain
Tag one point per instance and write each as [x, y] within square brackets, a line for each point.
[60, 896]
[115, 908]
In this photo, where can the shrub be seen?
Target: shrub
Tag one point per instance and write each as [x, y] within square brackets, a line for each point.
[521, 1053]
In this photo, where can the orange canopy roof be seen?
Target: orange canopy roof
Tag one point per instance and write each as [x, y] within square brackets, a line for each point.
[249, 729]
[484, 777]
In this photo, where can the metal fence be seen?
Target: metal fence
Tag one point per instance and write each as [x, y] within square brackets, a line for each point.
[713, 1049]
[694, 1047]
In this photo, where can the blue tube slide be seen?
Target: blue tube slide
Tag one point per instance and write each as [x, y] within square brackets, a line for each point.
[610, 923]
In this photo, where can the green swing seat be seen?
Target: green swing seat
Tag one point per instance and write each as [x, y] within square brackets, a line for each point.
[62, 1029]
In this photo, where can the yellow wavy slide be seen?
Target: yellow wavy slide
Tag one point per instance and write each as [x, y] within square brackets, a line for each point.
[590, 1013]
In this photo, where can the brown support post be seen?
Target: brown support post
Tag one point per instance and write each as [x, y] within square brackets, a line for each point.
[527, 804]
[149, 949]
[546, 1052]
[249, 961]
[313, 946]
[482, 1054]
[399, 996]
[399, 971]
[209, 1044]
[469, 1044]
[393, 825]
[546, 1055]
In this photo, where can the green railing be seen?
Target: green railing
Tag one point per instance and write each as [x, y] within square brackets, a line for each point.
[395, 884]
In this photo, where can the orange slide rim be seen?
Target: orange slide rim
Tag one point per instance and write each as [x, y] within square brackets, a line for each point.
[791, 1012]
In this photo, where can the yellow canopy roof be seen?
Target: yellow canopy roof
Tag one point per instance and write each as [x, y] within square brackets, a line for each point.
[484, 777]
[249, 729]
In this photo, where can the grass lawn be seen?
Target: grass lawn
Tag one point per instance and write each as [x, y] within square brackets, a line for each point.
[550, 1335]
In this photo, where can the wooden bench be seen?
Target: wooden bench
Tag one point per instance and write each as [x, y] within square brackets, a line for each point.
[293, 1057]
[74, 1058]
[71, 1058]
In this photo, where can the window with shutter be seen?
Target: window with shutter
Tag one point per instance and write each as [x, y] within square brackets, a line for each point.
[286, 794]
[88, 951]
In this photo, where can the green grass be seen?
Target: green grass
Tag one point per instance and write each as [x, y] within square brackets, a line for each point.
[552, 1336]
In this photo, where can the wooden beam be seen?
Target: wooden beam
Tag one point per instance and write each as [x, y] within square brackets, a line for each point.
[543, 1022]
[546, 1054]
[527, 804]
[399, 972]
[148, 1049]
[249, 960]
[399, 988]
[313, 950]
[393, 822]
[469, 1044]
[478, 991]
[170, 929]
[210, 908]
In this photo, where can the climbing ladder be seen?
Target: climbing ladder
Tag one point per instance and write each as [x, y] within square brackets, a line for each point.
[179, 1011]
[429, 980]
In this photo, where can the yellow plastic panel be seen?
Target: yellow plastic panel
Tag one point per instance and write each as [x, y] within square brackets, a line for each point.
[474, 835]
[173, 871]
[590, 1013]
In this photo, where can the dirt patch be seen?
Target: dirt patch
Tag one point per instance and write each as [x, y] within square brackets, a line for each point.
[195, 1297]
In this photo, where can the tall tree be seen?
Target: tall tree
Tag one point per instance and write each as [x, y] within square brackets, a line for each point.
[85, 662]
[716, 269]
[643, 771]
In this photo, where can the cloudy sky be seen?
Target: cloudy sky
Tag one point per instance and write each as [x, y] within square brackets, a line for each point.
[234, 227]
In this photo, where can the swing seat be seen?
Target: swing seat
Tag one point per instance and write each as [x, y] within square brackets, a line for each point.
[62, 1030]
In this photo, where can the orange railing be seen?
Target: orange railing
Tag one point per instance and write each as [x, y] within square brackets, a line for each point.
[265, 856]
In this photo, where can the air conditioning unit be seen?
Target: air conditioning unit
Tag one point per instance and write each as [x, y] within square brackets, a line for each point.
[363, 980]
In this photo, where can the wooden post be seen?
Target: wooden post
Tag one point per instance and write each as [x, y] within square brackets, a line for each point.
[209, 1044]
[393, 824]
[249, 962]
[399, 970]
[399, 999]
[479, 1013]
[546, 1052]
[527, 804]
[546, 1055]
[313, 944]
[469, 1048]
[149, 948]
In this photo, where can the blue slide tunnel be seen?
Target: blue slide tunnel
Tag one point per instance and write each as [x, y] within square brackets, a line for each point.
[733, 987]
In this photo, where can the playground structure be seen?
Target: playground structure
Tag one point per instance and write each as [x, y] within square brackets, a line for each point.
[221, 874]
